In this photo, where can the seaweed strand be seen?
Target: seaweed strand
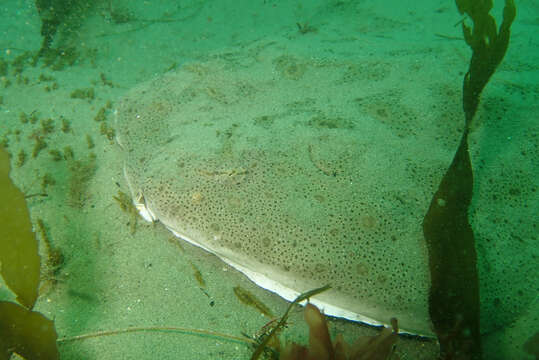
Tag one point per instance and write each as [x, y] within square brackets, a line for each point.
[189, 331]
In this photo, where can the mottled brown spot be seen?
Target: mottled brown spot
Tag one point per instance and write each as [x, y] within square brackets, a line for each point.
[362, 269]
[197, 197]
[368, 221]
[266, 241]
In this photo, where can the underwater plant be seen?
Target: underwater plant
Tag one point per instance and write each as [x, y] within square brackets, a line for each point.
[379, 347]
[454, 302]
[22, 330]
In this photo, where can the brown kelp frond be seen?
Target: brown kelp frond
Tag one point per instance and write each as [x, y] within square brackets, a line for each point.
[488, 46]
[22, 330]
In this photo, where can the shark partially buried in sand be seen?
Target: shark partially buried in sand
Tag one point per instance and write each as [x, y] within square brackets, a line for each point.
[284, 185]
[294, 172]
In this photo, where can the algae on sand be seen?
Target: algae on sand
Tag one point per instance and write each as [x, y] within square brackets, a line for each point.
[81, 171]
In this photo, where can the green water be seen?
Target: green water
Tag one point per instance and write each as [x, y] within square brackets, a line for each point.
[365, 96]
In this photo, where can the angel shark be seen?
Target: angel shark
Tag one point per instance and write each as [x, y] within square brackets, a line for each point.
[297, 172]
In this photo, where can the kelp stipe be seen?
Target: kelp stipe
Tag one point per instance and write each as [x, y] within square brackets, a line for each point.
[454, 301]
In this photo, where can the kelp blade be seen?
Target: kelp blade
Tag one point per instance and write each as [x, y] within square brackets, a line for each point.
[27, 333]
[19, 258]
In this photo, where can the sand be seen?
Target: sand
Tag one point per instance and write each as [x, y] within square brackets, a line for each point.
[115, 277]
